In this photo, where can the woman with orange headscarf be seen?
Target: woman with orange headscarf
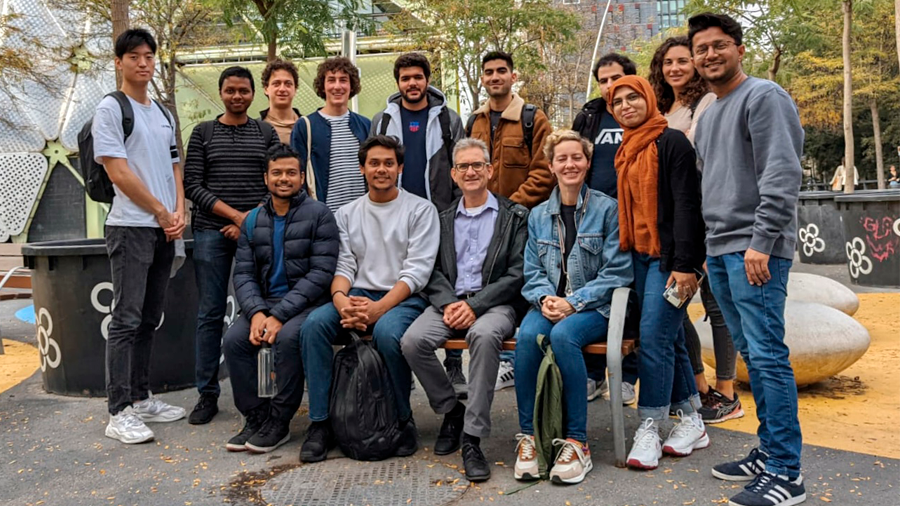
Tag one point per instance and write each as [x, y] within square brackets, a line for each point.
[661, 225]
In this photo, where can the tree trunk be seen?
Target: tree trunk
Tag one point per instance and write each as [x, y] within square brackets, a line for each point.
[776, 63]
[849, 160]
[272, 52]
[897, 25]
[876, 130]
[119, 25]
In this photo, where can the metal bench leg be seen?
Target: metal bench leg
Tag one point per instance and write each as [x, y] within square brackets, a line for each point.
[614, 365]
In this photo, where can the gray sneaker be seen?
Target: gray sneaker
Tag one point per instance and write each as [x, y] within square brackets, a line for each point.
[596, 389]
[128, 428]
[152, 409]
[628, 396]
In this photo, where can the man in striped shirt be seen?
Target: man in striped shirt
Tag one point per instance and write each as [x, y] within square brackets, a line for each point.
[223, 177]
[331, 136]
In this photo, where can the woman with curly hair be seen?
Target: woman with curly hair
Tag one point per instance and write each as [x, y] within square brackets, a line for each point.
[681, 94]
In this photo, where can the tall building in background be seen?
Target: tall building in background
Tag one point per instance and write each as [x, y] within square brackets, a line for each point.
[628, 20]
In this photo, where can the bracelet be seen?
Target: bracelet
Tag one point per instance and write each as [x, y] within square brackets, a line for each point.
[337, 292]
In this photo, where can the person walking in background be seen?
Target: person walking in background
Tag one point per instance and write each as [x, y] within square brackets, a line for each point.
[749, 145]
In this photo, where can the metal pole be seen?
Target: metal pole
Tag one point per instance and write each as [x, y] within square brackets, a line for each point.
[348, 49]
[596, 49]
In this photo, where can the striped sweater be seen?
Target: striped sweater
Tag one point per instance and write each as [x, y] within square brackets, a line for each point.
[229, 169]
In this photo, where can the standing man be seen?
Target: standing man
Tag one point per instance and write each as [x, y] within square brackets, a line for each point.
[226, 158]
[474, 293]
[329, 138]
[749, 144]
[147, 215]
[418, 116]
[515, 133]
[389, 239]
[282, 272]
[279, 80]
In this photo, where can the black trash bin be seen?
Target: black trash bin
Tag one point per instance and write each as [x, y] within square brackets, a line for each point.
[871, 222]
[820, 238]
[72, 292]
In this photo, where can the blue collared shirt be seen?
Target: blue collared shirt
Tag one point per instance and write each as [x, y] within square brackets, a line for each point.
[473, 233]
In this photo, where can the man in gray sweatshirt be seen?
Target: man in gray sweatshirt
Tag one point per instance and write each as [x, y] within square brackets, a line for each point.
[749, 144]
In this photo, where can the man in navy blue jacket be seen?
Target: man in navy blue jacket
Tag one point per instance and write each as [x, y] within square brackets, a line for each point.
[285, 261]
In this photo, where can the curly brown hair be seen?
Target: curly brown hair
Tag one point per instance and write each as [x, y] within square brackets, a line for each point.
[337, 64]
[665, 95]
[279, 64]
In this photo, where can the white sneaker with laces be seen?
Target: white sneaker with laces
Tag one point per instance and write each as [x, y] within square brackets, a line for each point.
[687, 435]
[628, 396]
[152, 409]
[573, 462]
[506, 376]
[596, 389]
[526, 458]
[128, 428]
[647, 449]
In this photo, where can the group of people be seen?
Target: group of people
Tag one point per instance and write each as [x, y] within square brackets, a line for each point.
[417, 229]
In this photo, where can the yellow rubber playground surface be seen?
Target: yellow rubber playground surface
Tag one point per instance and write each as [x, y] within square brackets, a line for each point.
[858, 410]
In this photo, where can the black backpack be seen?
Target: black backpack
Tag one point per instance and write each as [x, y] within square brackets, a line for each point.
[528, 113]
[96, 180]
[446, 134]
[362, 410]
[206, 131]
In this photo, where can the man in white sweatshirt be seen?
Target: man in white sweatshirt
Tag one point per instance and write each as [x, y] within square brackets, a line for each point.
[389, 241]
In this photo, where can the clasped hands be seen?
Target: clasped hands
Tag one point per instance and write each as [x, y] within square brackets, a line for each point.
[556, 308]
[264, 328]
[357, 312]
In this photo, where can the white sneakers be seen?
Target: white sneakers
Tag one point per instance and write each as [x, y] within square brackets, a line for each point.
[573, 462]
[687, 435]
[526, 458]
[506, 376]
[128, 425]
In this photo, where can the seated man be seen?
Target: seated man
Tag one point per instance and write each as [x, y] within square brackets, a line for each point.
[474, 293]
[282, 272]
[389, 238]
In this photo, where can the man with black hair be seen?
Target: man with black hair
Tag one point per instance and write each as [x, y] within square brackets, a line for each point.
[749, 144]
[147, 215]
[418, 116]
[285, 261]
[389, 240]
[225, 159]
[279, 80]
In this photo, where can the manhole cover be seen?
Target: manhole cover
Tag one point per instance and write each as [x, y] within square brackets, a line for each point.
[345, 482]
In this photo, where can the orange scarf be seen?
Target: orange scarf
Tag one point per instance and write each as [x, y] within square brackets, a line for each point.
[637, 168]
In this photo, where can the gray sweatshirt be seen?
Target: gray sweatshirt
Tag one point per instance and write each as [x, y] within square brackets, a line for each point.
[749, 145]
[385, 243]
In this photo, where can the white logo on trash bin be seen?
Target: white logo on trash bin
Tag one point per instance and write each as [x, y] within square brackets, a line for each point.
[897, 226]
[45, 342]
[858, 261]
[107, 310]
[809, 236]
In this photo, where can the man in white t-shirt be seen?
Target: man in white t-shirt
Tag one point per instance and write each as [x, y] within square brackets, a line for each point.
[147, 215]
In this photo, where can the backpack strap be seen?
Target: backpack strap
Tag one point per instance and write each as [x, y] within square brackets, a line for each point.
[251, 223]
[267, 130]
[385, 121]
[206, 131]
[446, 134]
[470, 122]
[127, 112]
[528, 113]
[694, 106]
[310, 171]
[165, 112]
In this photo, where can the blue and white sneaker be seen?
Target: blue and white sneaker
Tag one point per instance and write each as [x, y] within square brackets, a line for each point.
[745, 469]
[771, 490]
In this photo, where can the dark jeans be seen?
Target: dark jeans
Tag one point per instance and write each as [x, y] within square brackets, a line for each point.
[596, 367]
[240, 355]
[723, 345]
[140, 259]
[213, 256]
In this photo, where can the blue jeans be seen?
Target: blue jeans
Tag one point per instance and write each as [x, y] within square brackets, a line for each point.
[320, 331]
[665, 367]
[567, 337]
[755, 317]
[213, 256]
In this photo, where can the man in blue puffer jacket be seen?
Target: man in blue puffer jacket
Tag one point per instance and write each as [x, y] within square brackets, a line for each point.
[285, 261]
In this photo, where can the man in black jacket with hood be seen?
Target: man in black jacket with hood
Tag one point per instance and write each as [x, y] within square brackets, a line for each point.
[285, 261]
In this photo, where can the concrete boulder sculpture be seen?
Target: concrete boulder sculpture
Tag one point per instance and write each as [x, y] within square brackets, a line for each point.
[805, 287]
[823, 342]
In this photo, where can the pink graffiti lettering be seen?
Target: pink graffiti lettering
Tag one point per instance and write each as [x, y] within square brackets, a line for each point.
[880, 237]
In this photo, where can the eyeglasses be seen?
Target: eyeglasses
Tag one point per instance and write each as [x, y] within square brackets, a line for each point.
[631, 98]
[478, 167]
[719, 46]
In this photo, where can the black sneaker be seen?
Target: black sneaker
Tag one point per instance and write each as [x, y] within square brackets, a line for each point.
[271, 435]
[771, 490]
[408, 439]
[319, 440]
[746, 469]
[253, 421]
[205, 410]
[717, 408]
[477, 467]
[457, 378]
[448, 440]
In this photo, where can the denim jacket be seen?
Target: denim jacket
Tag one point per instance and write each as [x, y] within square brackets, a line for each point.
[596, 265]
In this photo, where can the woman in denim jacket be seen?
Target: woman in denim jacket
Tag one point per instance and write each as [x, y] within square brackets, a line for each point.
[572, 265]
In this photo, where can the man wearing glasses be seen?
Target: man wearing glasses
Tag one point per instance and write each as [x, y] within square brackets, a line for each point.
[474, 293]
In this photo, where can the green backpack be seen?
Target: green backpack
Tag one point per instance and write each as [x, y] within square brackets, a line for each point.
[548, 408]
